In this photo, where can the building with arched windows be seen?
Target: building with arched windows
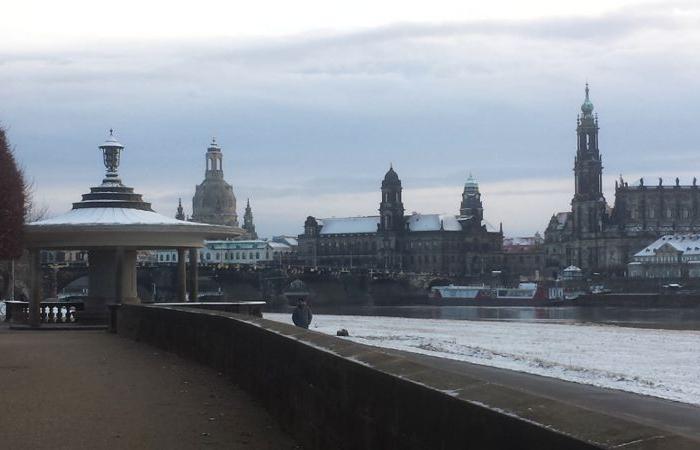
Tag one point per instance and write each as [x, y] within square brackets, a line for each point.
[435, 243]
[603, 239]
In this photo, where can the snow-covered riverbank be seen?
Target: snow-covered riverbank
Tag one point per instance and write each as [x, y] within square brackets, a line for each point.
[660, 363]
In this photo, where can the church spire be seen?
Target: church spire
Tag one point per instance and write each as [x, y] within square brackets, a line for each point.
[248, 224]
[587, 105]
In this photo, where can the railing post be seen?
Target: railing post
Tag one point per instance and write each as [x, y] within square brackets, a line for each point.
[194, 282]
[181, 276]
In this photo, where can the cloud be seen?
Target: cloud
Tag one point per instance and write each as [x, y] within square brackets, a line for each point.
[310, 122]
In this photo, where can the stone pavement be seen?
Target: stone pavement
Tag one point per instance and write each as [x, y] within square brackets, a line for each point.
[94, 390]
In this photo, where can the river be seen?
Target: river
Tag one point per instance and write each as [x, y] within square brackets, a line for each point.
[662, 318]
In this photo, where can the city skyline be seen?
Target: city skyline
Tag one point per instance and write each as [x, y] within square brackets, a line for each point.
[309, 122]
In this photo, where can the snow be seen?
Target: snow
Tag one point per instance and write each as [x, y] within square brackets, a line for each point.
[431, 222]
[111, 216]
[346, 225]
[562, 218]
[687, 244]
[368, 224]
[660, 363]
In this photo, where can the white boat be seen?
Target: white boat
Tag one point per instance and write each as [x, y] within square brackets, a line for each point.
[459, 292]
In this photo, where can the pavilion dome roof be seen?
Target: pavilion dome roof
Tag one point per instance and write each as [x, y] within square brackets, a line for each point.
[112, 214]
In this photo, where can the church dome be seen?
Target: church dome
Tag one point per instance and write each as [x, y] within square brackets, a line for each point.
[391, 178]
[214, 201]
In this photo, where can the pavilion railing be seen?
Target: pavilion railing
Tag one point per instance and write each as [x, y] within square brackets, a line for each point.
[50, 311]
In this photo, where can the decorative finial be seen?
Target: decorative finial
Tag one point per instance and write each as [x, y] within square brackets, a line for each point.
[111, 132]
[587, 89]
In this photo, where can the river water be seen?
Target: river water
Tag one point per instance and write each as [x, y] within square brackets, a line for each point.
[664, 318]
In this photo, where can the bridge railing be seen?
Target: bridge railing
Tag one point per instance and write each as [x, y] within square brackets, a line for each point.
[50, 311]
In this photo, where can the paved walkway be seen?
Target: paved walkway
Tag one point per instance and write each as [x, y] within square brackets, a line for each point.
[94, 390]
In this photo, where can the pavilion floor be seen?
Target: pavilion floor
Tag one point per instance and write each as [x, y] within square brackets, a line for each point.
[94, 390]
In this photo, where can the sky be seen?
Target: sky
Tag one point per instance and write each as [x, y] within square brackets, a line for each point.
[311, 101]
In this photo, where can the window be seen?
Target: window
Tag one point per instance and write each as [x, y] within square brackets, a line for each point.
[257, 255]
[208, 256]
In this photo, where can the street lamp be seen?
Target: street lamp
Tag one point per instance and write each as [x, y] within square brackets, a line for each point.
[111, 149]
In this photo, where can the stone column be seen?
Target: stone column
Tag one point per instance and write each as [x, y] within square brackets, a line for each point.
[181, 276]
[194, 282]
[37, 291]
[112, 280]
[119, 276]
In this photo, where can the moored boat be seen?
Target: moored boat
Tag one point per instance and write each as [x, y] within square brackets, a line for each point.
[524, 294]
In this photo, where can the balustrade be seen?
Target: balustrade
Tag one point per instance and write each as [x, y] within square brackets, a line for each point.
[50, 312]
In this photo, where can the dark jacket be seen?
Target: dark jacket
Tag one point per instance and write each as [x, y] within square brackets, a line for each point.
[302, 315]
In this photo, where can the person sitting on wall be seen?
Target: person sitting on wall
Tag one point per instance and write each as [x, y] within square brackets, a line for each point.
[302, 314]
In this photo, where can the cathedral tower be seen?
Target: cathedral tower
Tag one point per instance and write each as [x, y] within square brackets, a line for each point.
[588, 203]
[391, 207]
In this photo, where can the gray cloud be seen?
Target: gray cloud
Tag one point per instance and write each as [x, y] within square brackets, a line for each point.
[325, 113]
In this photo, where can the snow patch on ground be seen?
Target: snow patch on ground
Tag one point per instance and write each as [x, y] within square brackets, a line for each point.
[660, 363]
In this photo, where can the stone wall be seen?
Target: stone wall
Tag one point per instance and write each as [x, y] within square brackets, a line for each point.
[331, 393]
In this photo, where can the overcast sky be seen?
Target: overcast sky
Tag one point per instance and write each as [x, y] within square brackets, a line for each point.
[312, 100]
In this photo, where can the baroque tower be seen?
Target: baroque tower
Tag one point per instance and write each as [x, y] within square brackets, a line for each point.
[248, 224]
[471, 208]
[588, 204]
[214, 201]
[391, 207]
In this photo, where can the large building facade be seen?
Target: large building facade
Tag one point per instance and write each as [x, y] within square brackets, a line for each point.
[598, 238]
[393, 240]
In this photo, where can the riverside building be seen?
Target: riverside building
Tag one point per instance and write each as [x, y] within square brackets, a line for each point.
[392, 240]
